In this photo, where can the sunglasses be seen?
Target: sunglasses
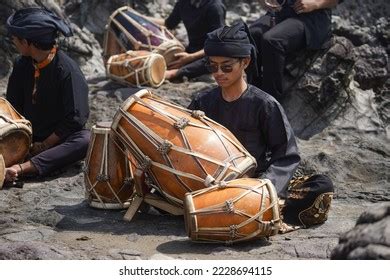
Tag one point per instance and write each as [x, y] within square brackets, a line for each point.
[225, 68]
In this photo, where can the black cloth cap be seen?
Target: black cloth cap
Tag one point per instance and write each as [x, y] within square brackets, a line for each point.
[37, 24]
[232, 41]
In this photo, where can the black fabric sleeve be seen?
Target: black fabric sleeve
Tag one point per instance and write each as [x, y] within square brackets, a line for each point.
[15, 89]
[174, 18]
[194, 105]
[216, 17]
[75, 102]
[283, 149]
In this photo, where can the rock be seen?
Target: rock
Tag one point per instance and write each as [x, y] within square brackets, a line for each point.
[317, 87]
[371, 66]
[28, 250]
[369, 239]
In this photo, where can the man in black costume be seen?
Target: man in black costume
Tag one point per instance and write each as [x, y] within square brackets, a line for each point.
[290, 26]
[199, 18]
[253, 116]
[47, 88]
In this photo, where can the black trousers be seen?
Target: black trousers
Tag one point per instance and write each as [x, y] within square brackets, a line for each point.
[194, 69]
[72, 149]
[274, 44]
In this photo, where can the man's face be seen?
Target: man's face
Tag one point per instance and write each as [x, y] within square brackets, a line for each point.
[226, 70]
[21, 45]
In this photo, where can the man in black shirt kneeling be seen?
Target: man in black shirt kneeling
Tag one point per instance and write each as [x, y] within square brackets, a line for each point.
[47, 88]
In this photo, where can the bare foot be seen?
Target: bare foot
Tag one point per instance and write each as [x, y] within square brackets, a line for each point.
[11, 174]
[171, 74]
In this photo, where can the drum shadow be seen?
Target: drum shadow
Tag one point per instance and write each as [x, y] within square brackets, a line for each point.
[82, 217]
[187, 246]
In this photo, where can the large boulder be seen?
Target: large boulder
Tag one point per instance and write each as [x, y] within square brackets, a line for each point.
[369, 239]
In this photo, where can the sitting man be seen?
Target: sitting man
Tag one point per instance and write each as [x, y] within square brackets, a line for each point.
[291, 25]
[253, 116]
[47, 88]
[199, 18]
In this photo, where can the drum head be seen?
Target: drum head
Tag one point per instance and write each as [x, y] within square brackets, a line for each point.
[157, 70]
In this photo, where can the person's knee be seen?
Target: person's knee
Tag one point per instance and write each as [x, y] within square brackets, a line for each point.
[84, 141]
[271, 42]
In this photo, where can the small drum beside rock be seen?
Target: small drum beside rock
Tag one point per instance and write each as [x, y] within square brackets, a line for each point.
[137, 68]
[237, 210]
[109, 170]
[181, 150]
[15, 134]
[128, 30]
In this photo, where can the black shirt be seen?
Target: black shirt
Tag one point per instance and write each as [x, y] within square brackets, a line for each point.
[197, 21]
[260, 124]
[62, 96]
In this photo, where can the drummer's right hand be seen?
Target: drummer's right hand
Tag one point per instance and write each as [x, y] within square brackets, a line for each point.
[183, 58]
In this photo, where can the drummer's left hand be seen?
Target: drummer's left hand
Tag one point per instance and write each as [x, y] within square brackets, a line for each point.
[305, 6]
[183, 58]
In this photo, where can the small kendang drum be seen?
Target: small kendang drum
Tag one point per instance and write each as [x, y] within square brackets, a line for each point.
[128, 30]
[15, 134]
[237, 210]
[109, 169]
[137, 68]
[180, 150]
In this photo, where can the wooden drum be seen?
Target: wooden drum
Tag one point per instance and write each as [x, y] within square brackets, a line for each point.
[238, 210]
[15, 134]
[109, 170]
[137, 68]
[181, 150]
[129, 30]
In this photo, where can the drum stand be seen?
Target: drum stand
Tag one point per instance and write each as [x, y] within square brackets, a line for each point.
[148, 198]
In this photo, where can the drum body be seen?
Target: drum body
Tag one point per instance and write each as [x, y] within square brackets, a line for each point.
[109, 169]
[237, 210]
[15, 134]
[137, 68]
[128, 30]
[181, 150]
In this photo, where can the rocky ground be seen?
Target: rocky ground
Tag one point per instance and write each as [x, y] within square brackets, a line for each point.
[338, 107]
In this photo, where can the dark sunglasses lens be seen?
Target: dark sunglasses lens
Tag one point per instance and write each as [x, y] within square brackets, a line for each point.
[212, 68]
[227, 68]
[224, 68]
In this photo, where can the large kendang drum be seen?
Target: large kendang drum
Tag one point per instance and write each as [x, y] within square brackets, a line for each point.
[15, 134]
[179, 149]
[234, 211]
[128, 30]
[108, 174]
[137, 68]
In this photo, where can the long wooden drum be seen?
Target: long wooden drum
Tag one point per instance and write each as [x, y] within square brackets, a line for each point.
[129, 30]
[15, 134]
[109, 170]
[137, 68]
[233, 211]
[181, 150]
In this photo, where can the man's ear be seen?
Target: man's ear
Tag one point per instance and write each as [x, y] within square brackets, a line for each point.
[246, 61]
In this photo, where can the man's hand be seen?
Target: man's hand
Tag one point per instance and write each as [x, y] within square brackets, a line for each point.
[182, 58]
[305, 6]
[37, 148]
